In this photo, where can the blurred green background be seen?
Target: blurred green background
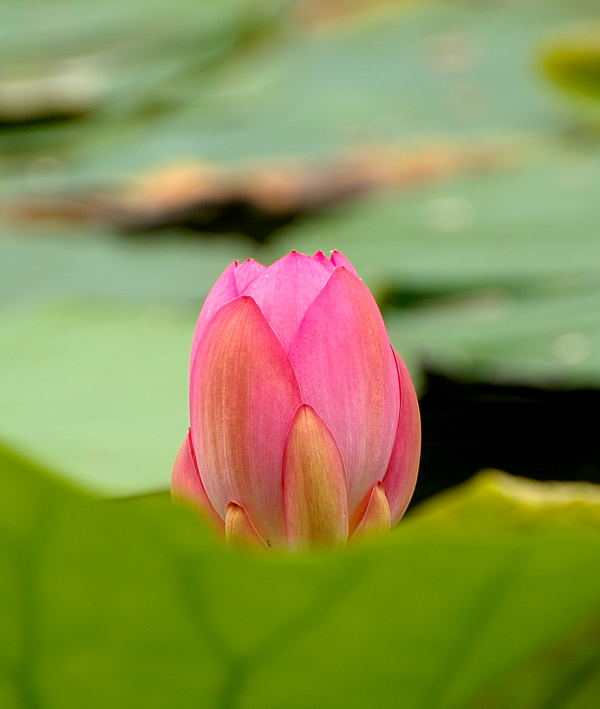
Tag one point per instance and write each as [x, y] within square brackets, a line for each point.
[452, 151]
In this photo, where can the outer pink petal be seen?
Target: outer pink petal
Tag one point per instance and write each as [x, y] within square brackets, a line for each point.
[246, 272]
[245, 396]
[338, 259]
[344, 363]
[285, 291]
[223, 291]
[186, 482]
[401, 476]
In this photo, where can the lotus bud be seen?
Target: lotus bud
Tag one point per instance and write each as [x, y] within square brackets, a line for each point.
[304, 423]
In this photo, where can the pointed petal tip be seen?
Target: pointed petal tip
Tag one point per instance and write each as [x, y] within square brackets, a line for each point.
[315, 489]
[239, 530]
[247, 272]
[338, 259]
[376, 519]
[319, 257]
[286, 290]
[295, 255]
[248, 263]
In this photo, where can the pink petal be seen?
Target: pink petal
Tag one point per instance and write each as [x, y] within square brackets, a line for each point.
[315, 490]
[344, 363]
[246, 272]
[338, 259]
[244, 399]
[401, 476]
[186, 483]
[322, 259]
[223, 291]
[285, 290]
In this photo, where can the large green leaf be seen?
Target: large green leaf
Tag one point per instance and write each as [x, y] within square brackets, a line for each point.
[497, 276]
[550, 339]
[523, 228]
[488, 597]
[60, 264]
[115, 60]
[97, 392]
[416, 72]
[96, 333]
[80, 76]
[572, 61]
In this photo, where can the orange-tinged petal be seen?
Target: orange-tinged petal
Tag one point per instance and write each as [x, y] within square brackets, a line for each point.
[239, 530]
[376, 518]
[345, 367]
[186, 483]
[315, 490]
[244, 397]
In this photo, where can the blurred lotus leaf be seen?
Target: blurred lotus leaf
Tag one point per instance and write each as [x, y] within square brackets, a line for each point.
[486, 598]
[572, 61]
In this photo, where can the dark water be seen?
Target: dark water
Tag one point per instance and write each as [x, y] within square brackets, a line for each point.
[535, 433]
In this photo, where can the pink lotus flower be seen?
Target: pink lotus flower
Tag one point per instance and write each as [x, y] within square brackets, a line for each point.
[305, 426]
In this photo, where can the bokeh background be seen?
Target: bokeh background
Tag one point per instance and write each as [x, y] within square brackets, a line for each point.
[452, 151]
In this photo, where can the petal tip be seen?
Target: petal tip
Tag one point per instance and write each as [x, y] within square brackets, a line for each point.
[338, 259]
[239, 530]
[314, 485]
[376, 519]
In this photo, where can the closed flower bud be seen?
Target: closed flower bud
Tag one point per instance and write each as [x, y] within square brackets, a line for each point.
[304, 423]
